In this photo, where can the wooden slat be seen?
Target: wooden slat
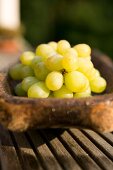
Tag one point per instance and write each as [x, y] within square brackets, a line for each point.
[8, 155]
[3, 159]
[63, 156]
[108, 137]
[100, 142]
[75, 149]
[96, 154]
[26, 152]
[47, 158]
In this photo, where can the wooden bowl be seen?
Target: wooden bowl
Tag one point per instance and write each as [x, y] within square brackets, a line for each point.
[21, 113]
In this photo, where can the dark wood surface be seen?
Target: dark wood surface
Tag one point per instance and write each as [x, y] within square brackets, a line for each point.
[96, 112]
[56, 149]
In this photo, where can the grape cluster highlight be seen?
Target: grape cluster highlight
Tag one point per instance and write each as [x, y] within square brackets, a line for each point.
[57, 70]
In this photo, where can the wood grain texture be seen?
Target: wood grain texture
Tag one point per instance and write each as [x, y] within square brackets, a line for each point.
[8, 155]
[94, 152]
[20, 113]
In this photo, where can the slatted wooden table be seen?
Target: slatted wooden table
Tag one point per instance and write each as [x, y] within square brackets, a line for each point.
[54, 149]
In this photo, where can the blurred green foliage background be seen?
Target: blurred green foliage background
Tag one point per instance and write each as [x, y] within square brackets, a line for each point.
[78, 21]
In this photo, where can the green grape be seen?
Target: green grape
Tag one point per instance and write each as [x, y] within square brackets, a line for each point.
[97, 72]
[35, 60]
[70, 51]
[92, 74]
[86, 93]
[38, 90]
[67, 72]
[54, 63]
[27, 82]
[41, 71]
[76, 81]
[27, 57]
[26, 71]
[63, 92]
[84, 65]
[15, 71]
[53, 44]
[62, 46]
[70, 60]
[83, 50]
[45, 51]
[88, 58]
[54, 80]
[98, 85]
[19, 90]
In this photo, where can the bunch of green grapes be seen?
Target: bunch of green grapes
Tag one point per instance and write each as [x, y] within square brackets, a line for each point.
[57, 70]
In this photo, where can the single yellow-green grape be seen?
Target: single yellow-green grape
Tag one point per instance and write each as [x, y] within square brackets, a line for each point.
[45, 51]
[98, 85]
[83, 50]
[15, 72]
[63, 92]
[84, 65]
[92, 74]
[54, 80]
[62, 46]
[27, 57]
[53, 44]
[27, 82]
[35, 60]
[86, 93]
[88, 58]
[41, 71]
[26, 71]
[76, 81]
[38, 90]
[70, 51]
[70, 60]
[97, 72]
[19, 90]
[54, 63]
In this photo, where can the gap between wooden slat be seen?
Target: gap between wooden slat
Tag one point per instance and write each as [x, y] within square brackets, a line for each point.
[3, 160]
[67, 143]
[73, 154]
[52, 149]
[108, 137]
[9, 158]
[38, 155]
[45, 136]
[17, 151]
[48, 157]
[105, 147]
[27, 153]
[103, 165]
